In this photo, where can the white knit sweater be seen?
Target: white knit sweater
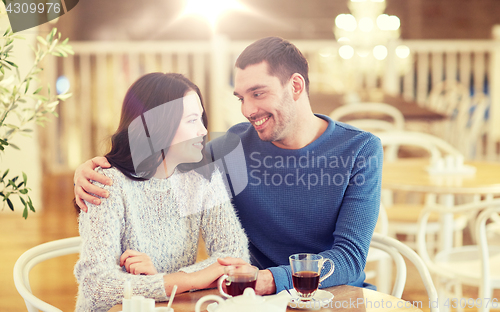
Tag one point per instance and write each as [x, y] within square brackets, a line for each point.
[161, 218]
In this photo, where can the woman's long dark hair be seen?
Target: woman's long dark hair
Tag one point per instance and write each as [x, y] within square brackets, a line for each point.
[148, 92]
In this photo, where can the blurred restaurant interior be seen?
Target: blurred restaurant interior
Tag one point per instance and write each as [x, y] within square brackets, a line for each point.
[437, 62]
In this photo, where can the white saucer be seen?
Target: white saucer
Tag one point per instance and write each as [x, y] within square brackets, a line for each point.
[321, 299]
[211, 307]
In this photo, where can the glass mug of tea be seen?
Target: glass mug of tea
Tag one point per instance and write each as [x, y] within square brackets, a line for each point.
[306, 271]
[237, 278]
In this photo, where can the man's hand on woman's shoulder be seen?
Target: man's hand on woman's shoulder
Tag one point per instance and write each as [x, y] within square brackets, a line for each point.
[83, 174]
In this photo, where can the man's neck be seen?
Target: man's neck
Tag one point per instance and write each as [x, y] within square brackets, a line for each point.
[307, 131]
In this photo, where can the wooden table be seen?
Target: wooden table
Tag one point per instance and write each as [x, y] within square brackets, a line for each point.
[410, 175]
[347, 298]
[326, 103]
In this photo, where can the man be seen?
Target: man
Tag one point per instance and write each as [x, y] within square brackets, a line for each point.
[313, 183]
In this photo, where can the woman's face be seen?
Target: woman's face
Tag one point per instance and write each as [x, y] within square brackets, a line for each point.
[187, 144]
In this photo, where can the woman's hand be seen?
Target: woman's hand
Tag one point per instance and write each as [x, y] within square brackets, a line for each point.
[206, 278]
[265, 281]
[231, 261]
[83, 174]
[137, 263]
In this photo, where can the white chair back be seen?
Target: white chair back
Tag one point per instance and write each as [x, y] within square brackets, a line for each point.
[396, 249]
[470, 128]
[448, 96]
[393, 140]
[377, 110]
[382, 273]
[32, 257]
[471, 264]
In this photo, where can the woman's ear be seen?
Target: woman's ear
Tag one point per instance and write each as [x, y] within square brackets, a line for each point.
[298, 85]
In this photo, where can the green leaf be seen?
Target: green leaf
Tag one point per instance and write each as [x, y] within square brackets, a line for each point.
[12, 64]
[1, 194]
[64, 96]
[15, 178]
[11, 206]
[22, 201]
[7, 51]
[68, 49]
[40, 97]
[61, 52]
[27, 130]
[25, 212]
[25, 178]
[52, 105]
[4, 65]
[3, 142]
[37, 90]
[41, 40]
[14, 146]
[20, 184]
[30, 203]
[13, 184]
[5, 173]
[23, 191]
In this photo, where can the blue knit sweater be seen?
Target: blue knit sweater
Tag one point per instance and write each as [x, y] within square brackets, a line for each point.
[323, 198]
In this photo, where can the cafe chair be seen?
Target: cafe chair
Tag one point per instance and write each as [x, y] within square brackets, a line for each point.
[382, 273]
[450, 97]
[475, 265]
[397, 250]
[471, 127]
[32, 257]
[370, 116]
[403, 213]
[493, 230]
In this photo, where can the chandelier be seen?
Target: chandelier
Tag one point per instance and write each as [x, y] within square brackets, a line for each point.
[367, 31]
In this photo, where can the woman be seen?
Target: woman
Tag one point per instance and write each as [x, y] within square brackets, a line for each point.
[147, 230]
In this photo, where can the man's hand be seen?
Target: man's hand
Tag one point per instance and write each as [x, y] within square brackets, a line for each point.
[265, 280]
[137, 263]
[265, 283]
[83, 174]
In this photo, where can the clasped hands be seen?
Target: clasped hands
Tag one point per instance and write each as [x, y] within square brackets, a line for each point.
[140, 263]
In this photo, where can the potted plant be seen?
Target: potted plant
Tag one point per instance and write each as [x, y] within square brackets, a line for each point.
[21, 107]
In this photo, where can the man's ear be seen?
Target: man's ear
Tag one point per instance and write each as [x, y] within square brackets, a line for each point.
[298, 85]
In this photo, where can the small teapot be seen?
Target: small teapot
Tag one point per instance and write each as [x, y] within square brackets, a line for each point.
[248, 302]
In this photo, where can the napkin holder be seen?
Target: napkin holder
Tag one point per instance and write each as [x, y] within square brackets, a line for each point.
[451, 165]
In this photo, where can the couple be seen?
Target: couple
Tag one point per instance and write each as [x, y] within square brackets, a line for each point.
[313, 186]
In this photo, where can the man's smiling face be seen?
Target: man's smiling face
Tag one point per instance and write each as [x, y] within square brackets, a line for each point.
[267, 104]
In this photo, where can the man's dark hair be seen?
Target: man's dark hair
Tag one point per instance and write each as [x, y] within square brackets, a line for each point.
[282, 57]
